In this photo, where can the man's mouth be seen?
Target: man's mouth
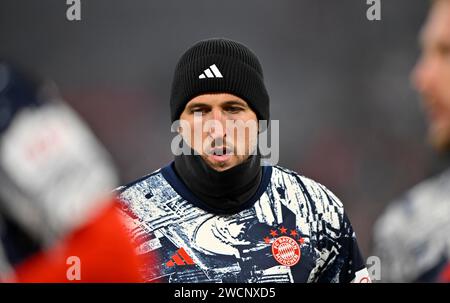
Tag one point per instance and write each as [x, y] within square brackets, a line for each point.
[220, 154]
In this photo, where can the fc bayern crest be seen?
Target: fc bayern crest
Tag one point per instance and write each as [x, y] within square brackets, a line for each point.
[285, 249]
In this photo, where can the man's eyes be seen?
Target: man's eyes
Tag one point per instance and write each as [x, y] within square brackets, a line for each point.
[234, 109]
[444, 50]
[200, 110]
[229, 109]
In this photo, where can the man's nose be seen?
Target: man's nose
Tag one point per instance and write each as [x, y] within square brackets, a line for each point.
[217, 124]
[424, 75]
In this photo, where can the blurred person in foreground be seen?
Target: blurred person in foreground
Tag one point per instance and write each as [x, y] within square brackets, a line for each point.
[58, 220]
[412, 238]
[217, 213]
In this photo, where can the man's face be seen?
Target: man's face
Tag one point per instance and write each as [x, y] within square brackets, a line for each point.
[431, 76]
[219, 121]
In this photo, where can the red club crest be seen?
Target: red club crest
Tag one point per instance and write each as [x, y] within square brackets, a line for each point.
[285, 246]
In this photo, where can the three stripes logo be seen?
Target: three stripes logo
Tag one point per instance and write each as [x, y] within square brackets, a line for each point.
[180, 258]
[211, 72]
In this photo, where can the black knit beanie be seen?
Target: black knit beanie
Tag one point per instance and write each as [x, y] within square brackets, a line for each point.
[219, 66]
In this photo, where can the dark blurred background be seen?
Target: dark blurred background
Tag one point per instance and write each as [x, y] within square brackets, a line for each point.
[339, 84]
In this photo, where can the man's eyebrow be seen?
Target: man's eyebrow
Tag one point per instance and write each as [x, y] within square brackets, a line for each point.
[226, 103]
[198, 104]
[235, 102]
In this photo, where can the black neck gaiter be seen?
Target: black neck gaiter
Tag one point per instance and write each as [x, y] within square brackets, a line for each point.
[224, 191]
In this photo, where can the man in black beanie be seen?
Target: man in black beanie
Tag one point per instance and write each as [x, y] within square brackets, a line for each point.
[218, 213]
[411, 236]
